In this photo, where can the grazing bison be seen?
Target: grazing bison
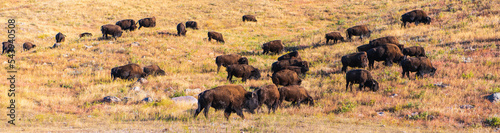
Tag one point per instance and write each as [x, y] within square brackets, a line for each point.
[414, 51]
[280, 65]
[364, 48]
[192, 25]
[291, 55]
[231, 98]
[389, 53]
[129, 71]
[28, 45]
[359, 30]
[127, 24]
[230, 59]
[181, 29]
[85, 34]
[60, 37]
[268, 95]
[216, 36]
[286, 77]
[335, 36]
[147, 22]
[375, 44]
[242, 70]
[8, 47]
[274, 46]
[383, 40]
[113, 30]
[249, 18]
[417, 16]
[421, 65]
[153, 70]
[295, 94]
[362, 77]
[354, 60]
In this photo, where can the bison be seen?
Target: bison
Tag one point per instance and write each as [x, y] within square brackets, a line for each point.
[389, 53]
[230, 59]
[127, 24]
[416, 16]
[286, 77]
[192, 25]
[421, 65]
[268, 95]
[153, 70]
[335, 36]
[280, 65]
[375, 44]
[181, 29]
[354, 60]
[359, 30]
[274, 46]
[147, 22]
[291, 55]
[129, 71]
[249, 18]
[361, 77]
[231, 98]
[242, 70]
[383, 40]
[297, 69]
[414, 51]
[85, 34]
[113, 30]
[216, 36]
[60, 37]
[28, 45]
[8, 47]
[295, 94]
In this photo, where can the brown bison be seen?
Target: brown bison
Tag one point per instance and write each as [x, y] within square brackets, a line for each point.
[362, 77]
[416, 16]
[230, 59]
[367, 47]
[335, 36]
[181, 29]
[153, 70]
[280, 65]
[295, 94]
[291, 55]
[85, 34]
[127, 24]
[354, 60]
[268, 95]
[383, 40]
[60, 37]
[389, 53]
[249, 18]
[364, 48]
[359, 30]
[414, 51]
[8, 47]
[192, 25]
[286, 77]
[421, 65]
[113, 30]
[28, 45]
[230, 98]
[129, 71]
[297, 69]
[147, 22]
[216, 36]
[243, 71]
[274, 46]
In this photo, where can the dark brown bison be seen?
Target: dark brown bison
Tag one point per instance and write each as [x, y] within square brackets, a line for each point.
[354, 60]
[364, 48]
[416, 16]
[367, 47]
[286, 77]
[147, 22]
[335, 36]
[153, 70]
[111, 29]
[274, 46]
[383, 40]
[359, 30]
[85, 34]
[216, 36]
[60, 37]
[421, 65]
[362, 77]
[181, 29]
[291, 55]
[249, 18]
[230, 98]
[28, 45]
[268, 95]
[389, 53]
[129, 71]
[414, 51]
[243, 71]
[192, 25]
[280, 65]
[127, 24]
[295, 94]
[230, 59]
[8, 47]
[297, 69]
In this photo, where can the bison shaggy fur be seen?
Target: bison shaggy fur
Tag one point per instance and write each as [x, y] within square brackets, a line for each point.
[417, 51]
[274, 46]
[421, 65]
[147, 22]
[28, 45]
[335, 36]
[268, 95]
[243, 71]
[60, 37]
[7, 47]
[416, 16]
[295, 94]
[216, 36]
[286, 77]
[361, 77]
[113, 30]
[127, 24]
[291, 55]
[249, 18]
[129, 71]
[389, 53]
[359, 30]
[153, 70]
[230, 59]
[354, 60]
[192, 25]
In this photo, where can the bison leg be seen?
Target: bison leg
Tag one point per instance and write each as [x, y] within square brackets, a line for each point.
[218, 67]
[198, 110]
[239, 112]
[344, 68]
[227, 112]
[334, 41]
[347, 86]
[361, 86]
[416, 23]
[209, 39]
[370, 63]
[327, 40]
[229, 76]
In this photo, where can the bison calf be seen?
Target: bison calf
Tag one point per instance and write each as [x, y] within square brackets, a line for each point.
[153, 70]
[230, 59]
[60, 37]
[216, 36]
[362, 77]
[421, 65]
[335, 36]
[113, 30]
[359, 30]
[416, 16]
[147, 22]
[181, 29]
[286, 77]
[28, 45]
[295, 94]
[354, 60]
[242, 70]
[414, 51]
[127, 24]
[8, 47]
[274, 46]
[268, 95]
[249, 18]
[129, 71]
[192, 25]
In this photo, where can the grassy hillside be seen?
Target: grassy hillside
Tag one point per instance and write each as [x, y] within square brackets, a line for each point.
[57, 88]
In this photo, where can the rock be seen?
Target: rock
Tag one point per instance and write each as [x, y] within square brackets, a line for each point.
[466, 106]
[110, 99]
[148, 99]
[494, 98]
[135, 44]
[110, 42]
[56, 45]
[64, 55]
[73, 49]
[467, 60]
[380, 113]
[394, 95]
[87, 47]
[440, 84]
[185, 99]
[142, 81]
[193, 91]
[136, 88]
[5, 62]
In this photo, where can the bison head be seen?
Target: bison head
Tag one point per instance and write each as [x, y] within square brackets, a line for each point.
[118, 34]
[364, 60]
[243, 60]
[304, 65]
[251, 101]
[372, 84]
[310, 101]
[33, 46]
[427, 20]
[160, 72]
[433, 71]
[255, 74]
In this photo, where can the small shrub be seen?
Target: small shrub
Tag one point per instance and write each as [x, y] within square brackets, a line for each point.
[347, 106]
[178, 94]
[493, 121]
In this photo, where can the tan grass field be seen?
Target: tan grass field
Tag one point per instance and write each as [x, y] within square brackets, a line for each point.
[56, 88]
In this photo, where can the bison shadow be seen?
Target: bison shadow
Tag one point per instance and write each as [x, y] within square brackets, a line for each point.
[470, 41]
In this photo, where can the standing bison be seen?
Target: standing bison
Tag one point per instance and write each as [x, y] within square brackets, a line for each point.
[414, 51]
[28, 45]
[153, 70]
[113, 30]
[192, 25]
[181, 29]
[242, 70]
[274, 46]
[416, 16]
[291, 55]
[230, 59]
[147, 22]
[231, 98]
[362, 77]
[268, 95]
[295, 94]
[249, 18]
[286, 77]
[129, 71]
[216, 36]
[335, 36]
[421, 65]
[127, 24]
[359, 30]
[389, 53]
[354, 60]
[60, 37]
[8, 47]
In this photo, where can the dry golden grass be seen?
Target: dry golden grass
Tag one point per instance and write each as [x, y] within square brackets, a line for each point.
[51, 97]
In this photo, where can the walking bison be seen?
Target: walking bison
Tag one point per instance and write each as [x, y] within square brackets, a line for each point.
[113, 30]
[389, 53]
[127, 24]
[249, 18]
[268, 95]
[242, 71]
[274, 46]
[147, 22]
[416, 16]
[153, 70]
[216, 36]
[295, 94]
[129, 72]
[28, 45]
[359, 30]
[8, 47]
[361, 77]
[192, 25]
[286, 77]
[230, 59]
[335, 36]
[421, 65]
[354, 60]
